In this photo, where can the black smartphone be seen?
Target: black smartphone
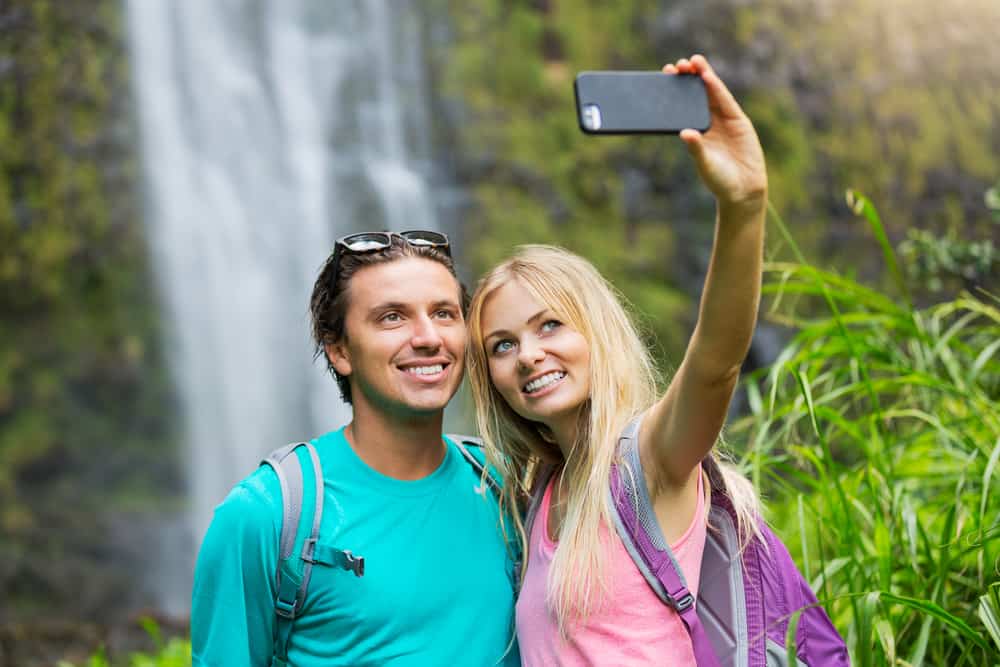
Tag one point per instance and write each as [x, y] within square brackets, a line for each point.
[640, 102]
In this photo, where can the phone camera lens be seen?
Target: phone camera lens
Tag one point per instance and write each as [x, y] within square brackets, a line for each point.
[591, 117]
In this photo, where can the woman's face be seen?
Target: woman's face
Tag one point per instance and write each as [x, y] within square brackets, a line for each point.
[538, 363]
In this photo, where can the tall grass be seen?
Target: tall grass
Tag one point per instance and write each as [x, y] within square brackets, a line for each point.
[875, 437]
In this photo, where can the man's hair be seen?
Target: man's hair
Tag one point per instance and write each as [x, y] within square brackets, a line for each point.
[330, 297]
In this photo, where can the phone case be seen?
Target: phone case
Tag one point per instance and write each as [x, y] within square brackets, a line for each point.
[640, 102]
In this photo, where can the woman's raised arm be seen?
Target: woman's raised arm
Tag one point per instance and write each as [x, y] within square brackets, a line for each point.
[682, 427]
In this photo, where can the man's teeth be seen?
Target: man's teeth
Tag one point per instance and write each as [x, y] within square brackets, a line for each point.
[425, 370]
[543, 381]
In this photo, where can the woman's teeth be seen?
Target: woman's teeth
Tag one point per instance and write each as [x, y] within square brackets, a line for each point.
[543, 381]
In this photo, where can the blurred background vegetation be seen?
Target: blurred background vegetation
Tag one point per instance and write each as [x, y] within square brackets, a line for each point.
[872, 415]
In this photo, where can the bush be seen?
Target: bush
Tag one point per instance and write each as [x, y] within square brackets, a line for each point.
[875, 436]
[175, 652]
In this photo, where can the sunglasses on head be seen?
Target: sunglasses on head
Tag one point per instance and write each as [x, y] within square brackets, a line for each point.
[363, 242]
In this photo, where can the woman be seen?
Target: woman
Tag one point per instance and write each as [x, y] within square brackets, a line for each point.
[558, 370]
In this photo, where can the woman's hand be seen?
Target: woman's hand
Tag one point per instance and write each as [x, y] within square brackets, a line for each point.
[728, 157]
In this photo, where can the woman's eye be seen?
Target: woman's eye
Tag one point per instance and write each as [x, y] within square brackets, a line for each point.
[503, 346]
[551, 325]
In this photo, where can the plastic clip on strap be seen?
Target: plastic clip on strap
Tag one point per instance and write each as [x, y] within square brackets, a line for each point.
[286, 606]
[659, 561]
[321, 554]
[352, 563]
[683, 602]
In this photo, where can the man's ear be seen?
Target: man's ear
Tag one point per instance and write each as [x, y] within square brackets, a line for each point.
[339, 357]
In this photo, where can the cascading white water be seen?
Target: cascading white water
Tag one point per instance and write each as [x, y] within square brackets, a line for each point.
[268, 129]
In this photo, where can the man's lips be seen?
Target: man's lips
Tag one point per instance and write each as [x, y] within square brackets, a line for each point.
[426, 370]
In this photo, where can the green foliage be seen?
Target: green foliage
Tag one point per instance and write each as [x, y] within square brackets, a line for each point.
[82, 390]
[876, 438]
[939, 262]
[992, 201]
[175, 652]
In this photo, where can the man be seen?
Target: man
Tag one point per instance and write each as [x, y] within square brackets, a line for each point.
[437, 582]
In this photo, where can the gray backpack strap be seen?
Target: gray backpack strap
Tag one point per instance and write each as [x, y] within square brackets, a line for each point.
[636, 524]
[464, 442]
[292, 576]
[542, 477]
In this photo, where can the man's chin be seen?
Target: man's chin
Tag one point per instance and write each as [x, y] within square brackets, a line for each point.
[430, 402]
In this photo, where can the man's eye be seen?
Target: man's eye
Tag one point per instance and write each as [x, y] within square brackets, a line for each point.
[445, 314]
[503, 346]
[390, 318]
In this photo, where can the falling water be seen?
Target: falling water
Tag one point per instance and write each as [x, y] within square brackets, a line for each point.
[268, 129]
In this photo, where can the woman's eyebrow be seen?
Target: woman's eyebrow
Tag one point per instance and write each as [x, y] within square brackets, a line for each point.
[531, 319]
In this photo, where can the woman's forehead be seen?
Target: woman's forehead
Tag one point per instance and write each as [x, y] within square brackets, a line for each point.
[513, 304]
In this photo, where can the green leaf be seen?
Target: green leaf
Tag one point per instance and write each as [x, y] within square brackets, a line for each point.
[989, 612]
[950, 620]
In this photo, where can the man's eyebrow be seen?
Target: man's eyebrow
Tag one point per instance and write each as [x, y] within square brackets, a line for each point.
[388, 305]
[531, 319]
[405, 307]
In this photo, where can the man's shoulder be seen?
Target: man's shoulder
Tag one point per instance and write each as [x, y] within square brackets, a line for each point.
[254, 499]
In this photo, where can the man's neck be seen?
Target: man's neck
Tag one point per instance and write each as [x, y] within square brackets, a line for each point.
[401, 448]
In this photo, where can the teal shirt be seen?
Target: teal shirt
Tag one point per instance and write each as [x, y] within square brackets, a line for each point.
[437, 587]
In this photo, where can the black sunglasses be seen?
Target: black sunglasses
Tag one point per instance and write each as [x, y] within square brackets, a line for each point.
[363, 242]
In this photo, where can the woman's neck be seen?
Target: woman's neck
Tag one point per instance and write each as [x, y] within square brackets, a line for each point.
[565, 432]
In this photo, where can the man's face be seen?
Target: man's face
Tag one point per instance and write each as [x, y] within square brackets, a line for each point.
[404, 344]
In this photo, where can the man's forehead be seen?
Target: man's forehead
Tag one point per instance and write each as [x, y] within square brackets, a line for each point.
[410, 280]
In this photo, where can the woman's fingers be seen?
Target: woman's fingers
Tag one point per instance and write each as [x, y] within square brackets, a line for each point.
[693, 140]
[718, 94]
[719, 97]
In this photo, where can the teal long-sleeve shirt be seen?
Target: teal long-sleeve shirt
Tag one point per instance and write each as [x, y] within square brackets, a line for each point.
[437, 587]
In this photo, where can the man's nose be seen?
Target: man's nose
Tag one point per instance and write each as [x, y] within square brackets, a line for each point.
[425, 334]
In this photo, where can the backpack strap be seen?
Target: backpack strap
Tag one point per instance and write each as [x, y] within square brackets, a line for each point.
[295, 567]
[634, 517]
[542, 477]
[292, 578]
[464, 442]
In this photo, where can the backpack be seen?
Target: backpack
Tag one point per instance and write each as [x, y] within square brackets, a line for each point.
[300, 546]
[746, 598]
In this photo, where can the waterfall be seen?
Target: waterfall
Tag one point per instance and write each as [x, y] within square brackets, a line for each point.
[268, 129]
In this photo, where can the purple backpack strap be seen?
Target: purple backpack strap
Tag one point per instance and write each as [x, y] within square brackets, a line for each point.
[657, 559]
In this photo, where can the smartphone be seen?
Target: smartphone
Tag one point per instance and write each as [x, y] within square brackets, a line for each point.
[640, 102]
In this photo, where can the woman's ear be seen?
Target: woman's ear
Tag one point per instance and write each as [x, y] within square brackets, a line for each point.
[339, 357]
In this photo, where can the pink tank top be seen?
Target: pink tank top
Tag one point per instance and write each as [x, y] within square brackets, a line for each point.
[631, 627]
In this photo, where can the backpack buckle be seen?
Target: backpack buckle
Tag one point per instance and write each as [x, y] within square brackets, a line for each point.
[284, 609]
[684, 603]
[355, 564]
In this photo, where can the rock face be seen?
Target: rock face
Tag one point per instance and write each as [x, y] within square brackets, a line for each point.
[85, 420]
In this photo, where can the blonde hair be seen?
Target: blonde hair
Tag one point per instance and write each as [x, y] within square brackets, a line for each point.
[623, 383]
